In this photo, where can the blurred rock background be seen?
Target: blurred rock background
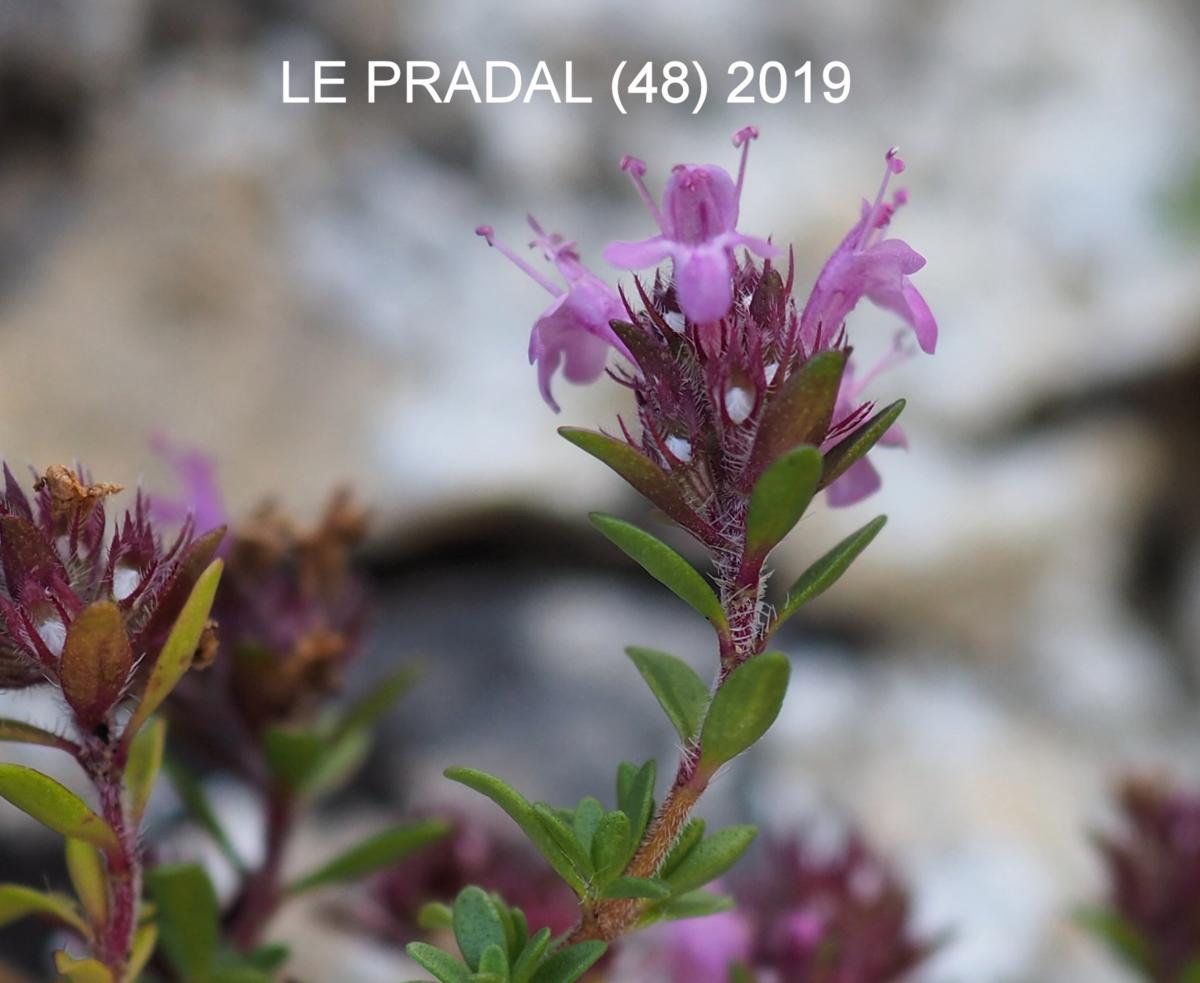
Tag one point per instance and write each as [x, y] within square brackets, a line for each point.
[297, 290]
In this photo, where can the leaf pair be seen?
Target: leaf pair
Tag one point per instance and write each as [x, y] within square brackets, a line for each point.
[741, 711]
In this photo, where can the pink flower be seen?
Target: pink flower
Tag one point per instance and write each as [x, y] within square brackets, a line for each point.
[702, 950]
[861, 480]
[574, 331]
[867, 265]
[698, 232]
[199, 493]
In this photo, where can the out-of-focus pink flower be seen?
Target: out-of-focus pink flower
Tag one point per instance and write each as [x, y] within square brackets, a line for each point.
[861, 479]
[698, 222]
[573, 332]
[867, 265]
[198, 495]
[701, 950]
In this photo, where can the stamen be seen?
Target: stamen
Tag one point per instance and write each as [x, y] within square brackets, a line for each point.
[489, 235]
[894, 164]
[901, 351]
[742, 139]
[636, 169]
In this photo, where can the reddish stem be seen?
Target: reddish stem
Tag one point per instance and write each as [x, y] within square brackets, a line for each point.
[263, 891]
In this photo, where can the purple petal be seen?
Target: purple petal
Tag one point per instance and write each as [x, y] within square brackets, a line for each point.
[699, 203]
[921, 318]
[701, 950]
[756, 245]
[860, 481]
[703, 283]
[638, 255]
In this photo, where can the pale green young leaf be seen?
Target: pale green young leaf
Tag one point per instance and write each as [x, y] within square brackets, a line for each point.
[375, 852]
[55, 806]
[89, 878]
[18, 901]
[179, 649]
[141, 770]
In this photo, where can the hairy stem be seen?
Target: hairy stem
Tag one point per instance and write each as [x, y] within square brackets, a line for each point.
[609, 920]
[114, 939]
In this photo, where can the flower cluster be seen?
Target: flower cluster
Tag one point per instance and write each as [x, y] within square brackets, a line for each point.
[68, 587]
[805, 917]
[291, 613]
[708, 346]
[1153, 911]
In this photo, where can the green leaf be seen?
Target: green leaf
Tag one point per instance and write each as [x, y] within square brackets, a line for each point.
[55, 806]
[710, 858]
[531, 956]
[800, 412]
[81, 970]
[637, 887]
[855, 446]
[342, 759]
[521, 812]
[366, 712]
[196, 805]
[95, 663]
[828, 569]
[587, 817]
[564, 836]
[664, 565]
[23, 733]
[141, 771]
[1120, 935]
[494, 962]
[779, 498]
[637, 802]
[18, 901]
[293, 753]
[610, 846]
[268, 957]
[435, 915]
[477, 924]
[180, 647]
[691, 834]
[444, 967]
[743, 709]
[569, 964]
[89, 879]
[144, 941]
[643, 474]
[188, 918]
[380, 850]
[679, 690]
[693, 904]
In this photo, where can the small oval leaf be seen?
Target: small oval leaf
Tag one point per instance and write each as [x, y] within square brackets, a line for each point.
[18, 901]
[643, 474]
[176, 655]
[801, 411]
[477, 925]
[188, 917]
[55, 806]
[743, 708]
[89, 878]
[637, 887]
[445, 967]
[664, 565]
[779, 499]
[23, 733]
[710, 858]
[380, 850]
[679, 690]
[569, 964]
[823, 574]
[81, 970]
[145, 760]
